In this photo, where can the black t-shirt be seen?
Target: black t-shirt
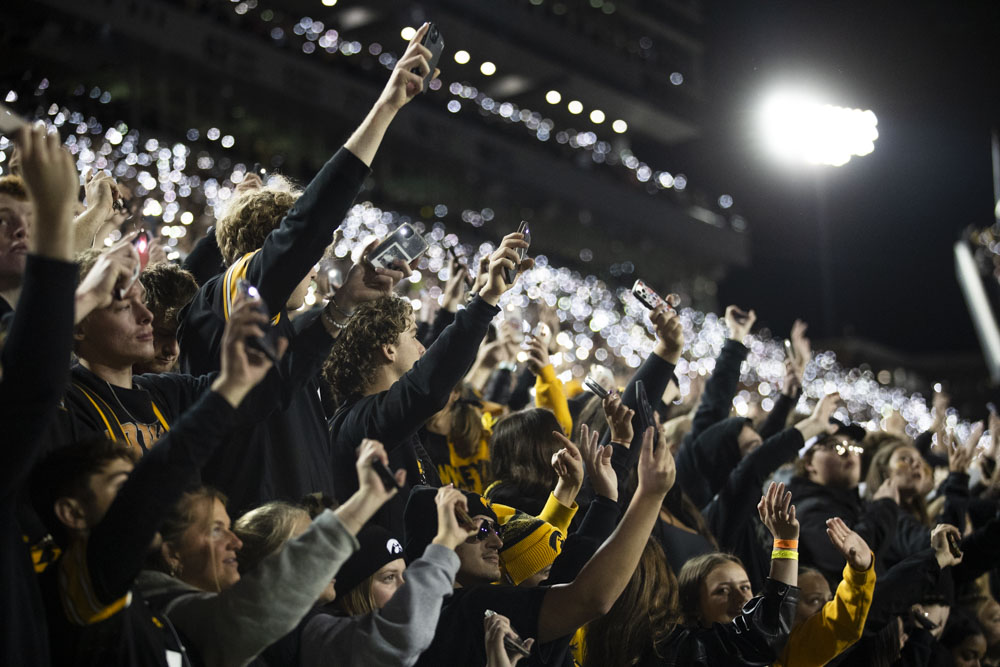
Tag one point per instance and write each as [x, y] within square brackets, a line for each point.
[459, 639]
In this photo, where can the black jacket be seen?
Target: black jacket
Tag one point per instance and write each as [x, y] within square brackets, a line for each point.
[395, 416]
[715, 405]
[875, 522]
[755, 637]
[288, 455]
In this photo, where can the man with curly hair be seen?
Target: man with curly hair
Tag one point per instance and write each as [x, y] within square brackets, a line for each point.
[168, 289]
[272, 237]
[387, 385]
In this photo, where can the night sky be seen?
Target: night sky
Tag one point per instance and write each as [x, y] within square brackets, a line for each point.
[929, 72]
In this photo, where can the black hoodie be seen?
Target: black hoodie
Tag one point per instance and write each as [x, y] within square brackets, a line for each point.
[814, 503]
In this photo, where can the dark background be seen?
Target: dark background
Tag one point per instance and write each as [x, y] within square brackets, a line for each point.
[929, 72]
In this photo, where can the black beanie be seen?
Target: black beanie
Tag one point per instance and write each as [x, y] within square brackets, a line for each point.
[378, 549]
[420, 518]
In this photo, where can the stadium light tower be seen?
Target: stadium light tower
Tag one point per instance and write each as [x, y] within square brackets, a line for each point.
[800, 130]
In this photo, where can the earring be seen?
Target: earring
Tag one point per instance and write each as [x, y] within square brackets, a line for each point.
[176, 569]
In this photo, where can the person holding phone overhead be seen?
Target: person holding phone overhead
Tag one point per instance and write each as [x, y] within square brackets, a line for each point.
[272, 239]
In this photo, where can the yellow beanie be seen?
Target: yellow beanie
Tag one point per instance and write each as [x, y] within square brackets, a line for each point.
[529, 545]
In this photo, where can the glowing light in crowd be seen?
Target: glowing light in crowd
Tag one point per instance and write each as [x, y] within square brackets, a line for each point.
[619, 126]
[800, 129]
[407, 33]
[488, 68]
[575, 107]
[553, 97]
[462, 57]
[329, 3]
[597, 116]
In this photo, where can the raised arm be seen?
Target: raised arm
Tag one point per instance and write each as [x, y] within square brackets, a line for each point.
[603, 578]
[35, 357]
[118, 544]
[291, 250]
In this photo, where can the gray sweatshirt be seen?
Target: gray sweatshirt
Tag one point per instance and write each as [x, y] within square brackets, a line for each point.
[396, 634]
[230, 628]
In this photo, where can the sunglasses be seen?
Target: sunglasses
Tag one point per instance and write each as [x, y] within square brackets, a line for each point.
[486, 529]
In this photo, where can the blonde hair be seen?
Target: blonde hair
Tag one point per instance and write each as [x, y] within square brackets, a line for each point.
[249, 217]
[265, 530]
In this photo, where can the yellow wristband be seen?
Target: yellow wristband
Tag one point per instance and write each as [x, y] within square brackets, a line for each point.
[784, 554]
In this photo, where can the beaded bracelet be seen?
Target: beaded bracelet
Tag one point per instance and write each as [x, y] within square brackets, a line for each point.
[784, 554]
[332, 322]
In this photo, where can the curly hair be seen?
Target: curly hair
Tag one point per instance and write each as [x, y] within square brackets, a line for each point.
[354, 359]
[168, 289]
[13, 186]
[252, 215]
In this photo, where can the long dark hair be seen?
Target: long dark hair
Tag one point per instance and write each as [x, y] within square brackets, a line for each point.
[465, 428]
[522, 446]
[641, 618]
[690, 579]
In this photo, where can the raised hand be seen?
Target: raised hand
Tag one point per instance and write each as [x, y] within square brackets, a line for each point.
[888, 489]
[801, 347]
[370, 485]
[405, 84]
[505, 257]
[669, 333]
[850, 544]
[242, 367]
[365, 283]
[619, 417]
[778, 513]
[52, 182]
[656, 470]
[819, 421]
[960, 456]
[453, 293]
[597, 462]
[739, 322]
[538, 355]
[497, 627]
[939, 542]
[450, 532]
[568, 464]
[114, 268]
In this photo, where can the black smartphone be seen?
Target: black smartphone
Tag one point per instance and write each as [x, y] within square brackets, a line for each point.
[508, 274]
[646, 418]
[434, 42]
[646, 295]
[595, 387]
[10, 120]
[510, 644]
[263, 344]
[953, 547]
[388, 479]
[468, 278]
[789, 351]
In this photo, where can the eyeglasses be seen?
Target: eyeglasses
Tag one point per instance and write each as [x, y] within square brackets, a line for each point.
[486, 528]
[843, 448]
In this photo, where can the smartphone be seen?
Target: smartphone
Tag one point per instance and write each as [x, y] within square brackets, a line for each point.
[434, 42]
[645, 295]
[468, 278]
[388, 479]
[789, 352]
[543, 332]
[508, 274]
[595, 387]
[953, 547]
[263, 344]
[510, 644]
[10, 121]
[645, 410]
[402, 246]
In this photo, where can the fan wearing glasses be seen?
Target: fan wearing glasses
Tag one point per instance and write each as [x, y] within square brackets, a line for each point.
[825, 485]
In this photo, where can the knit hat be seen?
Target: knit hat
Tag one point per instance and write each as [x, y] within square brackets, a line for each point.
[378, 549]
[529, 545]
[420, 518]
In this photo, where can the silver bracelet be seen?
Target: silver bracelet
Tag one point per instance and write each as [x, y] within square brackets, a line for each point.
[345, 315]
[332, 322]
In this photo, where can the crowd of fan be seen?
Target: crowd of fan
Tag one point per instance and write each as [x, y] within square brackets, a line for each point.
[406, 493]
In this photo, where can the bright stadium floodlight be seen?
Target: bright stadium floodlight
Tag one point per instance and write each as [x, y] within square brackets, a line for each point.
[800, 129]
